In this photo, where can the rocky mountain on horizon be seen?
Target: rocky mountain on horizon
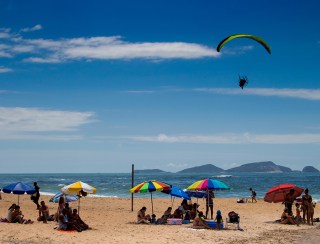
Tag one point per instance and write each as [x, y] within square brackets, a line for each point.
[265, 167]
[310, 169]
[150, 171]
[207, 169]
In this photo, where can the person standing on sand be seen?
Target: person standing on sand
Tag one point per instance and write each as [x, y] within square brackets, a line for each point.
[290, 198]
[305, 204]
[209, 203]
[253, 195]
[35, 197]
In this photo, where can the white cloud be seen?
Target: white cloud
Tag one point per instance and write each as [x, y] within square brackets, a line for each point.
[4, 69]
[34, 28]
[101, 47]
[309, 94]
[27, 122]
[245, 138]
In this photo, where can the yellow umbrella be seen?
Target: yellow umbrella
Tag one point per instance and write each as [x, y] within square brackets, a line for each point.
[79, 188]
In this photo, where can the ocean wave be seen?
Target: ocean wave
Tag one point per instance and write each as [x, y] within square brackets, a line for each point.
[222, 176]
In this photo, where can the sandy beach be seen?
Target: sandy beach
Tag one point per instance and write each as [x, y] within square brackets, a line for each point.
[112, 221]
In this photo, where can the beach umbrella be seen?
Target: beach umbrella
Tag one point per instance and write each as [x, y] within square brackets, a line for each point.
[150, 186]
[197, 194]
[67, 197]
[79, 188]
[278, 193]
[208, 184]
[19, 188]
[176, 192]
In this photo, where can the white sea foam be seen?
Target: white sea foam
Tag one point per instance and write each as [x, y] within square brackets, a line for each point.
[222, 176]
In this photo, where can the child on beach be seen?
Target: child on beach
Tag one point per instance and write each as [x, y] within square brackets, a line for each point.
[298, 211]
[218, 219]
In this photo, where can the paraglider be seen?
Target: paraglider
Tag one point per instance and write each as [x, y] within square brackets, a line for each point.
[243, 81]
[256, 38]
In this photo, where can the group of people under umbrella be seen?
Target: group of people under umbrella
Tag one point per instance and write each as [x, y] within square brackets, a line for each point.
[199, 189]
[284, 193]
[69, 193]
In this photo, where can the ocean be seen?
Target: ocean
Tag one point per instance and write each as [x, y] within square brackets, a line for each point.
[118, 185]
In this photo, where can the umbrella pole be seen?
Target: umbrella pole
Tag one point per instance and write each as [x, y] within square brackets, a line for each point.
[79, 205]
[18, 199]
[172, 201]
[151, 203]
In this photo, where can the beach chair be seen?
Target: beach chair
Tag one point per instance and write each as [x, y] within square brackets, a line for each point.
[233, 219]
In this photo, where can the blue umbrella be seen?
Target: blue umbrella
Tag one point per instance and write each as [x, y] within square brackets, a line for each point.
[197, 194]
[19, 188]
[67, 197]
[177, 192]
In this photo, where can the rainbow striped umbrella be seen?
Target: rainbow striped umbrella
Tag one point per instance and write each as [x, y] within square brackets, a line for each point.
[208, 184]
[150, 186]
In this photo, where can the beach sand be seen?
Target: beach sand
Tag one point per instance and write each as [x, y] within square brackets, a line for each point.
[112, 221]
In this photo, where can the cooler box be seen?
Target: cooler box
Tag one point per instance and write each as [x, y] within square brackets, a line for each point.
[174, 221]
[213, 224]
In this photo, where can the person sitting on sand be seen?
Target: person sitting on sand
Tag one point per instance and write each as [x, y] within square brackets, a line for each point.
[69, 209]
[287, 217]
[178, 213]
[166, 215]
[61, 205]
[76, 218]
[199, 222]
[16, 215]
[142, 217]
[194, 211]
[65, 223]
[44, 213]
[10, 210]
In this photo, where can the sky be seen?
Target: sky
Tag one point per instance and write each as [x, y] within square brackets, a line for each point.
[95, 86]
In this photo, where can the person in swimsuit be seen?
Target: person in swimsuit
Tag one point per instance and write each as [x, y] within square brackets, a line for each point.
[209, 203]
[305, 203]
[142, 217]
[199, 222]
[289, 199]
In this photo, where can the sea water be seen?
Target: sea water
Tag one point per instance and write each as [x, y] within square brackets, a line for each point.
[118, 185]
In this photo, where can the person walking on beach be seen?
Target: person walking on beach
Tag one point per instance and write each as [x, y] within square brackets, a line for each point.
[305, 204]
[35, 197]
[253, 195]
[209, 203]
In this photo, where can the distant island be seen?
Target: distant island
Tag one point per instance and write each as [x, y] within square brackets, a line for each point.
[207, 168]
[257, 167]
[310, 169]
[151, 171]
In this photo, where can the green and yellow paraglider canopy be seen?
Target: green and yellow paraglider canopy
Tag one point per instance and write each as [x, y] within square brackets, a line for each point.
[256, 38]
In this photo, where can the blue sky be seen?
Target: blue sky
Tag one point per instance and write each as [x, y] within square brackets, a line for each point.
[94, 86]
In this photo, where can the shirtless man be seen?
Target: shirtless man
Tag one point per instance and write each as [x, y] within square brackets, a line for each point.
[44, 213]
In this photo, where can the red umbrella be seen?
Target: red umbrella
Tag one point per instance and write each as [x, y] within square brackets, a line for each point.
[278, 193]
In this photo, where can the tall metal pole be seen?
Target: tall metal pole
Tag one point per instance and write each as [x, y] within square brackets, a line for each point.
[132, 184]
